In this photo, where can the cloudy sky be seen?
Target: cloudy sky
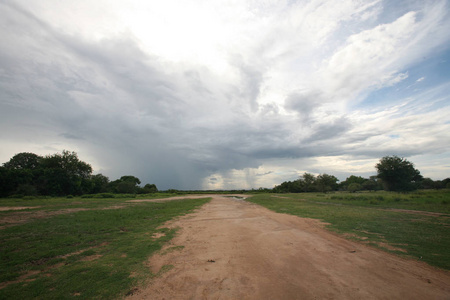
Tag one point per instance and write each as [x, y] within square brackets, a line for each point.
[223, 94]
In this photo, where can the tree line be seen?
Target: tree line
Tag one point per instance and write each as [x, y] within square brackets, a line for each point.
[393, 174]
[61, 174]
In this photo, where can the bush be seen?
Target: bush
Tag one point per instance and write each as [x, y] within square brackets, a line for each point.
[16, 196]
[353, 187]
[26, 190]
[104, 195]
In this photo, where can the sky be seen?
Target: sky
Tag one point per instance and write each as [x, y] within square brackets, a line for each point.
[227, 94]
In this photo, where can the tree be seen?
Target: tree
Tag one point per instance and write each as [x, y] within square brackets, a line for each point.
[132, 179]
[24, 160]
[353, 187]
[307, 182]
[397, 174]
[125, 185]
[372, 184]
[326, 183]
[99, 183]
[284, 187]
[19, 175]
[150, 188]
[427, 183]
[352, 179]
[65, 174]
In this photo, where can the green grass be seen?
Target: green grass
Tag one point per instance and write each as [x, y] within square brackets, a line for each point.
[86, 254]
[76, 202]
[370, 218]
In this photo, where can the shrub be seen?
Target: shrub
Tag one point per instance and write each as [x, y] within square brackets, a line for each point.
[104, 195]
[353, 187]
[26, 190]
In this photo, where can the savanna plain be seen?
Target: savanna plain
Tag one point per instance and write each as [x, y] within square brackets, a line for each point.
[338, 245]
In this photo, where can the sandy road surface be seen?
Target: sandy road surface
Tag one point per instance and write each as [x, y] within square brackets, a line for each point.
[238, 250]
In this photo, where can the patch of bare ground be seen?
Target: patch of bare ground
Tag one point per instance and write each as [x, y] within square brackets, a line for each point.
[6, 208]
[114, 207]
[280, 197]
[232, 249]
[91, 257]
[382, 244]
[23, 278]
[418, 212]
[158, 235]
[171, 198]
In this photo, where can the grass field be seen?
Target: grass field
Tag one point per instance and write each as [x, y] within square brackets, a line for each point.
[414, 224]
[85, 248]
[81, 248]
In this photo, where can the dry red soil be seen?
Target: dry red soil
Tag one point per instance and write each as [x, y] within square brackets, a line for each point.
[231, 249]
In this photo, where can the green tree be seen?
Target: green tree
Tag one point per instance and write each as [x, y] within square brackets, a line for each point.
[354, 187]
[397, 174]
[65, 174]
[372, 184]
[285, 187]
[99, 183]
[352, 179]
[9, 181]
[24, 160]
[307, 182]
[427, 183]
[326, 183]
[19, 175]
[150, 188]
[125, 185]
[129, 178]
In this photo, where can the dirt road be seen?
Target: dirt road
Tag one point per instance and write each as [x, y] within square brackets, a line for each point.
[238, 250]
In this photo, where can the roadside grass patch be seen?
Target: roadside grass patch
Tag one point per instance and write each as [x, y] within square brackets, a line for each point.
[423, 234]
[426, 200]
[98, 253]
[85, 201]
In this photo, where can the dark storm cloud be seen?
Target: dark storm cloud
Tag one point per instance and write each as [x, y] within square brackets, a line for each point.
[111, 97]
[330, 130]
[304, 103]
